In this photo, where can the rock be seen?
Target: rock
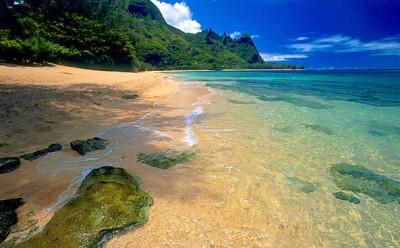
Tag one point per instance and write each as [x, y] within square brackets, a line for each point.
[41, 153]
[320, 129]
[2, 144]
[347, 197]
[90, 145]
[302, 186]
[8, 216]
[165, 160]
[130, 96]
[361, 180]
[108, 201]
[9, 164]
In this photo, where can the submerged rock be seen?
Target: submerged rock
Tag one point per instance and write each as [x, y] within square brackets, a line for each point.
[320, 129]
[90, 145]
[302, 186]
[9, 164]
[41, 153]
[361, 180]
[108, 201]
[347, 197]
[8, 216]
[165, 160]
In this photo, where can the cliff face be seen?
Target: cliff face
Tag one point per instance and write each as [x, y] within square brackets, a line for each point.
[114, 32]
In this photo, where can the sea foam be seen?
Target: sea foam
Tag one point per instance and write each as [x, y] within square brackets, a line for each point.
[190, 138]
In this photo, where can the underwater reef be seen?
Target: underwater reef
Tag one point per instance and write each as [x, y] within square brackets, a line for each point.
[165, 160]
[358, 179]
[108, 201]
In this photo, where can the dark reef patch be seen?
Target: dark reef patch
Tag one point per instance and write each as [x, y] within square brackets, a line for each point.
[361, 180]
[165, 160]
[108, 201]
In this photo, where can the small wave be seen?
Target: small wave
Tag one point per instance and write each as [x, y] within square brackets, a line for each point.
[190, 138]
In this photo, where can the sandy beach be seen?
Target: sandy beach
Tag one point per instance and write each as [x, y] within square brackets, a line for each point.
[58, 104]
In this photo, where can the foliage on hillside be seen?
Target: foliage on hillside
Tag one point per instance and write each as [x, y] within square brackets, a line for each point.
[129, 33]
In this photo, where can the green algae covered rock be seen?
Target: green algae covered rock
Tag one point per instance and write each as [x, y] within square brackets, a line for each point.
[165, 160]
[108, 201]
[361, 180]
[8, 216]
[347, 197]
[90, 145]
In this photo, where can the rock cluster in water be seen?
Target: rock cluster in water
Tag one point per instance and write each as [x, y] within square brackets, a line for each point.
[165, 160]
[90, 145]
[108, 201]
[361, 180]
[41, 153]
[9, 164]
[8, 216]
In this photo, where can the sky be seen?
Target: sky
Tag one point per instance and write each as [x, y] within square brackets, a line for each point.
[315, 33]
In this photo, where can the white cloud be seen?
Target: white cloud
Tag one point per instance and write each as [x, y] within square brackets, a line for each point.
[178, 15]
[255, 36]
[345, 44]
[276, 57]
[301, 38]
[235, 35]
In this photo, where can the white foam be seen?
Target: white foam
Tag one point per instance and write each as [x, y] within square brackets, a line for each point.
[190, 138]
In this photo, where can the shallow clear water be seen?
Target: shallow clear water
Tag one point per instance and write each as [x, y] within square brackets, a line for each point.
[281, 132]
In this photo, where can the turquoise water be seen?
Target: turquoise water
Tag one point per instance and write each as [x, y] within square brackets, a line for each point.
[295, 129]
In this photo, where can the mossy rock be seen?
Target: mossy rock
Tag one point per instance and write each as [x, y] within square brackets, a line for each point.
[165, 160]
[8, 216]
[347, 197]
[108, 201]
[9, 164]
[42, 152]
[84, 147]
[361, 180]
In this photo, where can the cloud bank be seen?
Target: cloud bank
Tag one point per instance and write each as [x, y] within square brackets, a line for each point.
[345, 44]
[178, 15]
[276, 57]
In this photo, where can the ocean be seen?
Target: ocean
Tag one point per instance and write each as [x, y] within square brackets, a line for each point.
[312, 158]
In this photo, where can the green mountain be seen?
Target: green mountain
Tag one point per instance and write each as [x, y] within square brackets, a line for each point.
[129, 33]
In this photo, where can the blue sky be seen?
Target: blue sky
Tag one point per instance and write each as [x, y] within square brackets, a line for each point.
[315, 33]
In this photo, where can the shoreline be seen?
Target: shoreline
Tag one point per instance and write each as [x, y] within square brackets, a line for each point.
[47, 183]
